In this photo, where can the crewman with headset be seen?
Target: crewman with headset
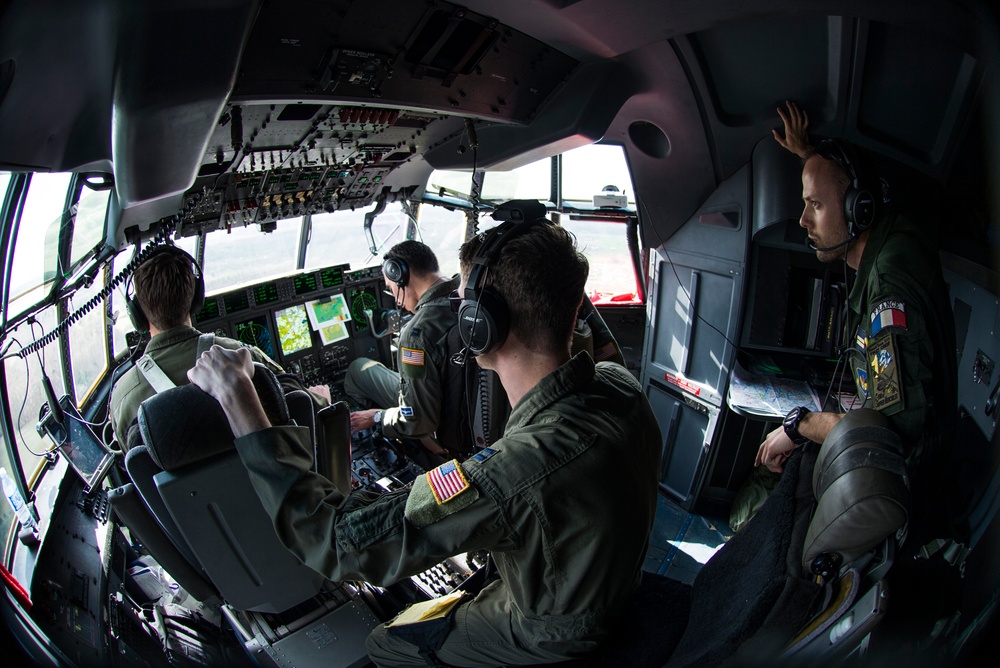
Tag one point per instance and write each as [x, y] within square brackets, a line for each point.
[580, 453]
[900, 322]
[168, 290]
[902, 342]
[408, 403]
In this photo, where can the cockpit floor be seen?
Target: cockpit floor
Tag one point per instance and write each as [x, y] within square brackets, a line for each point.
[682, 542]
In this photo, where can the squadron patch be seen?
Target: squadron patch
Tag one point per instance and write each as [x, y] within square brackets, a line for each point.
[886, 386]
[447, 481]
[888, 313]
[861, 381]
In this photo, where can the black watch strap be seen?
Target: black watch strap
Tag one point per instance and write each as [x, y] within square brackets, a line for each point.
[791, 425]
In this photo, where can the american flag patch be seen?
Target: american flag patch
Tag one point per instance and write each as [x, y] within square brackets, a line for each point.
[605, 352]
[447, 481]
[413, 356]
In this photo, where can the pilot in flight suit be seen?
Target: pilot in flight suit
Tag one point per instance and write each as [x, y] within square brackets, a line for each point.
[175, 351]
[168, 291]
[412, 397]
[564, 500]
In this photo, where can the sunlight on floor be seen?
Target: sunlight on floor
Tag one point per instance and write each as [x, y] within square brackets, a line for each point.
[697, 551]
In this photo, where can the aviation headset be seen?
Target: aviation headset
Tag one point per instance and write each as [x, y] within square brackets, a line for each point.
[135, 314]
[397, 271]
[483, 316]
[860, 203]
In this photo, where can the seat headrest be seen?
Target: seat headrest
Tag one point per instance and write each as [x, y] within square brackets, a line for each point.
[185, 424]
[861, 487]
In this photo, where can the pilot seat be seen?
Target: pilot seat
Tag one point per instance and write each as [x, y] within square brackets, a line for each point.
[193, 507]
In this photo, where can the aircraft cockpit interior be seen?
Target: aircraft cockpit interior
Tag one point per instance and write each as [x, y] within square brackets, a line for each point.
[285, 148]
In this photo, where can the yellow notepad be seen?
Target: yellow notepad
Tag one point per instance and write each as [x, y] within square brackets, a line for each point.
[426, 610]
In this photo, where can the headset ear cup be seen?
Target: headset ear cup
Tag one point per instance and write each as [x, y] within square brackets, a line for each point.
[396, 271]
[862, 209]
[199, 290]
[484, 324]
[135, 314]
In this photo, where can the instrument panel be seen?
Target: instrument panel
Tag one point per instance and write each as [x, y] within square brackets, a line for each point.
[312, 323]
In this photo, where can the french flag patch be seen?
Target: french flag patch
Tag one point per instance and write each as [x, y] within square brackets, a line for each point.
[447, 481]
[888, 314]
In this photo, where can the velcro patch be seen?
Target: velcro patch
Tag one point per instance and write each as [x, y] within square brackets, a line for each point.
[447, 481]
[886, 387]
[888, 313]
[861, 381]
[413, 356]
[423, 509]
[413, 363]
[861, 340]
[483, 455]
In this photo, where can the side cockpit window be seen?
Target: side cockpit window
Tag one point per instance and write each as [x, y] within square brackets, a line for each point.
[587, 189]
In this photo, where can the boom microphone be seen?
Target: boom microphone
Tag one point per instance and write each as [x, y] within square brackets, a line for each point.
[814, 247]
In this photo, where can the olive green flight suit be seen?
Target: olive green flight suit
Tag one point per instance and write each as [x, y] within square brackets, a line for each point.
[564, 501]
[903, 356]
[412, 396]
[174, 351]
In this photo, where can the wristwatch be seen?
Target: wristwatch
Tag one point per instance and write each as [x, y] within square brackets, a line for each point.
[378, 418]
[791, 424]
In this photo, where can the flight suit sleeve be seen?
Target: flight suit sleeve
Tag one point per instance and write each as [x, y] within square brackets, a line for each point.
[259, 355]
[366, 536]
[900, 358]
[420, 388]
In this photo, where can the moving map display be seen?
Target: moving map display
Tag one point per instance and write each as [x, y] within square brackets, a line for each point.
[293, 329]
[329, 317]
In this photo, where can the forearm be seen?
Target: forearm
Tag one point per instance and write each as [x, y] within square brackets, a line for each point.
[816, 426]
[243, 408]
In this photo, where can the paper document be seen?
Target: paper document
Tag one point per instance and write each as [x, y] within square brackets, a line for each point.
[767, 396]
[425, 610]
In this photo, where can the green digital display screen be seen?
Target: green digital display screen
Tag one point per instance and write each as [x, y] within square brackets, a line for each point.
[209, 310]
[265, 294]
[236, 302]
[305, 283]
[332, 277]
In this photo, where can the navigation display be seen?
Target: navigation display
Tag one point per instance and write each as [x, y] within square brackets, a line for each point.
[293, 329]
[254, 332]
